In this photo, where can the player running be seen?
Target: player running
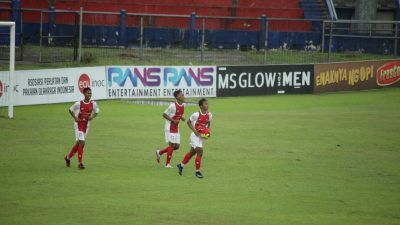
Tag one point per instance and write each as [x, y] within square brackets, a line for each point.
[198, 122]
[173, 114]
[82, 112]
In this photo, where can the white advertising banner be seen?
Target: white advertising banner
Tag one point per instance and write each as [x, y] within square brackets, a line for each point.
[4, 88]
[58, 85]
[160, 81]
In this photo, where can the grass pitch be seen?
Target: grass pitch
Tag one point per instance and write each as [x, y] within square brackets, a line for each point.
[294, 159]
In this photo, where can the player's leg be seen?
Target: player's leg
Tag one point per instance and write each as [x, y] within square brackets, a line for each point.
[197, 144]
[185, 160]
[81, 145]
[170, 151]
[159, 153]
[199, 155]
[173, 140]
[74, 149]
[188, 156]
[175, 146]
[165, 150]
[68, 157]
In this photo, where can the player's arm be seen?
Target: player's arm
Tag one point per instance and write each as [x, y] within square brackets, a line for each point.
[93, 116]
[73, 115]
[95, 111]
[189, 123]
[170, 119]
[72, 111]
[209, 124]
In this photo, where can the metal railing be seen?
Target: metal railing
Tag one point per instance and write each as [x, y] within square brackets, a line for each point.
[136, 38]
[380, 37]
[5, 35]
[52, 36]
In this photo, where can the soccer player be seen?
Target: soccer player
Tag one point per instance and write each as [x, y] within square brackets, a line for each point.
[197, 122]
[172, 115]
[82, 112]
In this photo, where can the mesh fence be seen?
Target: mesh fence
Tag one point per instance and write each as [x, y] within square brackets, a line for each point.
[58, 39]
[294, 41]
[166, 40]
[231, 41]
[100, 37]
[346, 40]
[146, 40]
[6, 15]
[126, 38]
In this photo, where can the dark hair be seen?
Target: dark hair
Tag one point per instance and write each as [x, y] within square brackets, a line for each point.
[202, 101]
[177, 92]
[86, 89]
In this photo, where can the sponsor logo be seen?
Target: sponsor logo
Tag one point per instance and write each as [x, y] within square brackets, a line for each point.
[157, 76]
[83, 82]
[388, 74]
[264, 79]
[351, 76]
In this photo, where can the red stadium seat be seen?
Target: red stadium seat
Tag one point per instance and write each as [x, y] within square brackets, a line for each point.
[239, 8]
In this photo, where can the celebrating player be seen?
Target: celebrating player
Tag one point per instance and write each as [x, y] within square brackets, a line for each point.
[82, 112]
[173, 114]
[199, 123]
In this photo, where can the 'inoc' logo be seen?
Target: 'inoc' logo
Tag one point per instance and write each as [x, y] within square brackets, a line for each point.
[83, 82]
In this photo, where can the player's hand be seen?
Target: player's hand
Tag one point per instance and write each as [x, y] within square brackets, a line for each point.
[197, 133]
[77, 119]
[183, 119]
[175, 121]
[90, 118]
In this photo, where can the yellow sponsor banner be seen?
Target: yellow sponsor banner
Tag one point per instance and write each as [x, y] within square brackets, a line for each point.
[350, 76]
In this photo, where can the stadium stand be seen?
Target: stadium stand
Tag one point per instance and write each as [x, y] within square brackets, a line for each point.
[234, 8]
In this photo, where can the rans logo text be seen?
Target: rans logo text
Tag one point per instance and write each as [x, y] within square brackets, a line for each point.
[160, 76]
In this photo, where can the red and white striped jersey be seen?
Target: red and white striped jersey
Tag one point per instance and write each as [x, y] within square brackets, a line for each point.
[199, 119]
[175, 111]
[83, 111]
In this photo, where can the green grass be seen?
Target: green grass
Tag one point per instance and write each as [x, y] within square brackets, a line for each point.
[174, 56]
[326, 159]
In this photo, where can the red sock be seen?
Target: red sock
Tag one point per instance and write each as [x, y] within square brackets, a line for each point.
[164, 150]
[187, 158]
[73, 151]
[198, 162]
[169, 155]
[80, 153]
